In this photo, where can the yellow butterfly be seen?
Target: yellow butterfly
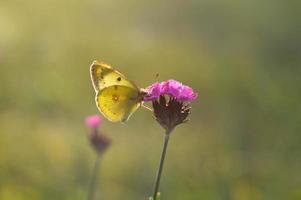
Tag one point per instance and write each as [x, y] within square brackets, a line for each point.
[117, 98]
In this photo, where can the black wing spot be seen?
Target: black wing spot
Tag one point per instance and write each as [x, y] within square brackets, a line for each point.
[119, 79]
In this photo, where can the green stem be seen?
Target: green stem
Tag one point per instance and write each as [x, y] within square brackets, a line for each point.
[157, 183]
[93, 182]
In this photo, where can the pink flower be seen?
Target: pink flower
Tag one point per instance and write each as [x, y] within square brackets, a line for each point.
[93, 121]
[153, 91]
[97, 139]
[171, 87]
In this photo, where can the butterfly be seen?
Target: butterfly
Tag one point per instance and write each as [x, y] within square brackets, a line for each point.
[117, 98]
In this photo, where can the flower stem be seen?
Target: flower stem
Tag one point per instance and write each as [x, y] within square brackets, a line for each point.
[93, 182]
[157, 183]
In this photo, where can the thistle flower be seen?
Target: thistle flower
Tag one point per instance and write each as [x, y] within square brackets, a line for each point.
[170, 102]
[97, 139]
[100, 143]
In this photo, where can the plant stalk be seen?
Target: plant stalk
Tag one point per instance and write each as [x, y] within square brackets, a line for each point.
[93, 182]
[157, 183]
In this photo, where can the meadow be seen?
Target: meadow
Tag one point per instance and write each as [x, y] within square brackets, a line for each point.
[242, 141]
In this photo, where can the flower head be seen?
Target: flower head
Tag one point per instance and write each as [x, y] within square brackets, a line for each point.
[170, 101]
[97, 139]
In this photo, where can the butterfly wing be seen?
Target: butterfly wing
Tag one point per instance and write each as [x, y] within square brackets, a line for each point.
[117, 103]
[103, 75]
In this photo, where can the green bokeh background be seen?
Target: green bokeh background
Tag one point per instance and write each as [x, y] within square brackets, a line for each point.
[243, 138]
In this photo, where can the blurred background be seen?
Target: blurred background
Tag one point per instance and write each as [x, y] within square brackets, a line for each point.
[243, 58]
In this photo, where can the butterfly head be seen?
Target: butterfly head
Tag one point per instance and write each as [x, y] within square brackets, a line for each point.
[142, 94]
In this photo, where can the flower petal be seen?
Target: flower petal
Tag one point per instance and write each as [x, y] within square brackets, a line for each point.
[93, 121]
[172, 87]
[153, 92]
[187, 94]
